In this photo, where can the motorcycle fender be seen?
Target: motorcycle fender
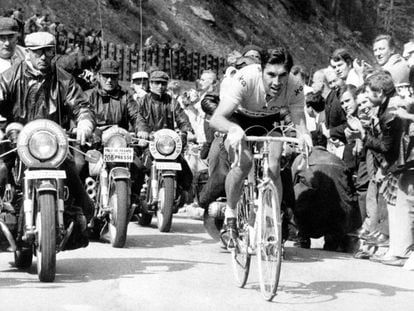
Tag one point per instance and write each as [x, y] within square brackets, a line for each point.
[168, 173]
[46, 186]
[119, 173]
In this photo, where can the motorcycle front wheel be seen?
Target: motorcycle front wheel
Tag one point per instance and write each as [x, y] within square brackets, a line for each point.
[166, 203]
[46, 228]
[118, 218]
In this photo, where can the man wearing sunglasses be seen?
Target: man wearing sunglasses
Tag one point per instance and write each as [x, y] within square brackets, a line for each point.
[36, 88]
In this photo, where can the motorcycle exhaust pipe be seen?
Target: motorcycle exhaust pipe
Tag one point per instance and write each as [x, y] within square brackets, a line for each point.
[8, 236]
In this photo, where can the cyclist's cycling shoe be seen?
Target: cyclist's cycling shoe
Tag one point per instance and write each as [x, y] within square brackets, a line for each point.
[230, 233]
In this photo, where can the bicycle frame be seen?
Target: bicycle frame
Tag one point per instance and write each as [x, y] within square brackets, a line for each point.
[264, 216]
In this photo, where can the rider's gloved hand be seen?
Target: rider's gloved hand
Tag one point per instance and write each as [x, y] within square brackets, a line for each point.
[144, 136]
[234, 136]
[84, 131]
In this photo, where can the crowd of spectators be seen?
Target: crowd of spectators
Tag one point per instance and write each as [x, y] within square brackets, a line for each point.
[69, 39]
[362, 114]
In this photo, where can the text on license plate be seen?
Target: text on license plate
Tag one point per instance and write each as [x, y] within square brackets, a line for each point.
[118, 154]
[168, 166]
[45, 174]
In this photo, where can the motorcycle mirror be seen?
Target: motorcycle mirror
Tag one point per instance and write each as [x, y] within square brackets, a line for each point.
[93, 156]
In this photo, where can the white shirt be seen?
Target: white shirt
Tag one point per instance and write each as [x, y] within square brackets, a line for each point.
[246, 91]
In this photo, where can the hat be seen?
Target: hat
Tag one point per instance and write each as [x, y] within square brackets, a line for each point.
[39, 40]
[159, 75]
[139, 75]
[109, 66]
[8, 26]
[408, 49]
[251, 47]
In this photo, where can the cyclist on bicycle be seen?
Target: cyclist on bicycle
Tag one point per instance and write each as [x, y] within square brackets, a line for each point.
[262, 95]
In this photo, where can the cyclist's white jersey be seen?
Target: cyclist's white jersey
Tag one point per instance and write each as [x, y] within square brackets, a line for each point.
[246, 91]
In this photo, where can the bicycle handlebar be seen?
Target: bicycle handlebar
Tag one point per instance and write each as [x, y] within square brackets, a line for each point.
[280, 139]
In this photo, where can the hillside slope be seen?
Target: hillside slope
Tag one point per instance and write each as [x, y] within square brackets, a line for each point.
[211, 26]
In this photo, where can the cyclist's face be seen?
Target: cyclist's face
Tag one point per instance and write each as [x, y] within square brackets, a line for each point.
[274, 78]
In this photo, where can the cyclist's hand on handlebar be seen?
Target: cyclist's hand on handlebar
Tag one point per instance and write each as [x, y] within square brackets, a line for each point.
[84, 131]
[234, 136]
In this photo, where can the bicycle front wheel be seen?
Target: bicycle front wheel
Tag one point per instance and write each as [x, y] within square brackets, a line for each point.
[240, 255]
[269, 246]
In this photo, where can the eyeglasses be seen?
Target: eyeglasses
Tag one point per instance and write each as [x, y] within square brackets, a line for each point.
[106, 76]
[46, 51]
[11, 37]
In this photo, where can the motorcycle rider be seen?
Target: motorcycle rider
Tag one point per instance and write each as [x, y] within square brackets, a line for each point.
[37, 89]
[157, 110]
[111, 105]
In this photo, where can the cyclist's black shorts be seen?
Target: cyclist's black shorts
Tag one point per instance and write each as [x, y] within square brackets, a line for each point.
[258, 126]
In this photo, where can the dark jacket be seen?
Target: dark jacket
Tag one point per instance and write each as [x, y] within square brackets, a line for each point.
[157, 112]
[335, 116]
[24, 96]
[325, 200]
[384, 138]
[113, 108]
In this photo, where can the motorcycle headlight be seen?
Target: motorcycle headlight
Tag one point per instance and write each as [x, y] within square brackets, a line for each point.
[165, 145]
[116, 141]
[43, 145]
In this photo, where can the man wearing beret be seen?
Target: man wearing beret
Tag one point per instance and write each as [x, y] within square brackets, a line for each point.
[34, 89]
[157, 110]
[10, 52]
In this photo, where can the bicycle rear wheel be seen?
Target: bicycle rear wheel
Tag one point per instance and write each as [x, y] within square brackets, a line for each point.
[269, 248]
[240, 255]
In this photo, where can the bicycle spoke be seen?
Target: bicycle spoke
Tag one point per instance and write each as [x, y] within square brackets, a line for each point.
[269, 242]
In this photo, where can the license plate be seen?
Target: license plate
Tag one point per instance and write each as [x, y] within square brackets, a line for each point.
[118, 155]
[45, 174]
[168, 166]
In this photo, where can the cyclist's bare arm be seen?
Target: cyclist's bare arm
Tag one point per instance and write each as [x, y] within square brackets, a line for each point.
[220, 119]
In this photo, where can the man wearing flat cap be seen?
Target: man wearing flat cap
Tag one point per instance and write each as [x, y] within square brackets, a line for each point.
[10, 51]
[36, 89]
[157, 110]
[111, 105]
[139, 84]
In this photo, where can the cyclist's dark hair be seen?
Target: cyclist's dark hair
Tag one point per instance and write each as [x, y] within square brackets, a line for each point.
[341, 54]
[278, 56]
[209, 103]
[316, 101]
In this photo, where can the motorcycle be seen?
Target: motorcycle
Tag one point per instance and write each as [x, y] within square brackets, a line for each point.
[159, 193]
[32, 211]
[109, 183]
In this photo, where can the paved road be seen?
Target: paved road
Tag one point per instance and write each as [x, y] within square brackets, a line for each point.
[187, 270]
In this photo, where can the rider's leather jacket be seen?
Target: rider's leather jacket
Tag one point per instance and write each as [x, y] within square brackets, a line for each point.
[157, 112]
[116, 107]
[25, 95]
